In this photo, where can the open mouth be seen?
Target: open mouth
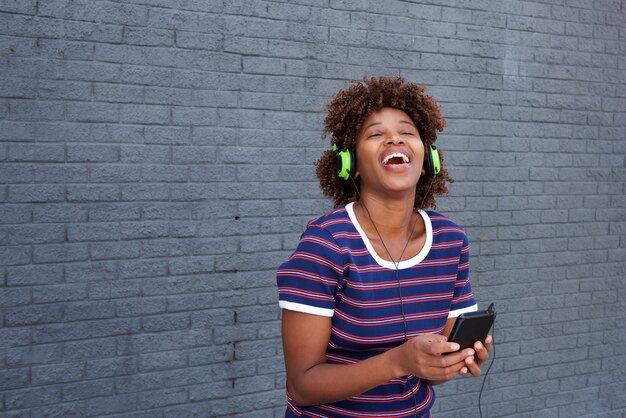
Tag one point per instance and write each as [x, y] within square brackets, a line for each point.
[396, 158]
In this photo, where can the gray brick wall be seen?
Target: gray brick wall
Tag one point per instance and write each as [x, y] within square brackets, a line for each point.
[157, 158]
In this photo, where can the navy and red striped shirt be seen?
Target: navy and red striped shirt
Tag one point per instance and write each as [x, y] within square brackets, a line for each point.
[336, 272]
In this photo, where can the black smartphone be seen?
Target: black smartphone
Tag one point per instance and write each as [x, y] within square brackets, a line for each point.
[472, 326]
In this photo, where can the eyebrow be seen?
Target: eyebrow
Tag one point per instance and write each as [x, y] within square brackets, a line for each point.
[372, 124]
[380, 123]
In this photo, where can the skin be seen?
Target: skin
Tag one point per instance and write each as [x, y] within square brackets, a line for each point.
[388, 193]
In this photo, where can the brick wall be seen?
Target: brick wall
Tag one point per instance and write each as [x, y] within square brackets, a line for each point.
[156, 166]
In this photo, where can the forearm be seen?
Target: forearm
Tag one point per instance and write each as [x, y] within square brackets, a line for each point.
[324, 382]
[311, 380]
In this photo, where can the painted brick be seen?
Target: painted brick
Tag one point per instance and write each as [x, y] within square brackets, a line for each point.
[165, 360]
[35, 193]
[59, 293]
[33, 275]
[166, 322]
[81, 311]
[145, 192]
[33, 397]
[110, 404]
[42, 354]
[87, 389]
[92, 153]
[141, 154]
[157, 166]
[60, 253]
[36, 234]
[92, 112]
[114, 174]
[167, 135]
[93, 232]
[18, 88]
[59, 174]
[15, 378]
[14, 297]
[144, 114]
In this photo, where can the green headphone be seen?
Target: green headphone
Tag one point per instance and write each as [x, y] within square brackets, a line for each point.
[346, 162]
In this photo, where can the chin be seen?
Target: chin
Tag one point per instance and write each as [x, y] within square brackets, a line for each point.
[401, 188]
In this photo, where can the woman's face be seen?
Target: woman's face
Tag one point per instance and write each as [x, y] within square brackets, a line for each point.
[389, 153]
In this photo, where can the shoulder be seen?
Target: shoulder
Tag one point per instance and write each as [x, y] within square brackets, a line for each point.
[333, 222]
[442, 225]
[441, 220]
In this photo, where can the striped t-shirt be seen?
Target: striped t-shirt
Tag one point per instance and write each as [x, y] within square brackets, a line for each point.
[336, 272]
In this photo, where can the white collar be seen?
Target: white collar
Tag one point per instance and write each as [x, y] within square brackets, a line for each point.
[390, 264]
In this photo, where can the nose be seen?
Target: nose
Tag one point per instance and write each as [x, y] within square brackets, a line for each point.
[394, 140]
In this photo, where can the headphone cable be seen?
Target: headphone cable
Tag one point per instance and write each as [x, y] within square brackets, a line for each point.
[397, 268]
[493, 358]
[397, 264]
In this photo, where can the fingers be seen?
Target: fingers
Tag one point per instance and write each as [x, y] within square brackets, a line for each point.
[446, 348]
[435, 344]
[444, 374]
[447, 361]
[433, 358]
[482, 355]
[456, 358]
[482, 351]
[472, 366]
[467, 361]
[426, 359]
[488, 342]
[454, 364]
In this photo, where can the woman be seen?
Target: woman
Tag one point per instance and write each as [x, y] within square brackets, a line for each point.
[374, 287]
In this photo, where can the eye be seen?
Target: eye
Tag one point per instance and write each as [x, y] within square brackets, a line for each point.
[374, 135]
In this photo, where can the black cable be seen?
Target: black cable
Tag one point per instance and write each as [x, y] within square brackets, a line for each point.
[397, 264]
[397, 268]
[493, 349]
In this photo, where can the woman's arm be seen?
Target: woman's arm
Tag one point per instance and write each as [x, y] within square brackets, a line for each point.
[312, 381]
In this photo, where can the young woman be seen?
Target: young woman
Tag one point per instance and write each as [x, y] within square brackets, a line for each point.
[374, 287]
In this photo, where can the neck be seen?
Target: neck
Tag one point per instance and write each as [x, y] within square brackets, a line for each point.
[393, 218]
[392, 227]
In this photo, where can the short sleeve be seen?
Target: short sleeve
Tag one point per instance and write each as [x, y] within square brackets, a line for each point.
[308, 280]
[463, 298]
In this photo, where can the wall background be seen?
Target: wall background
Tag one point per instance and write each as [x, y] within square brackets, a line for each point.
[157, 166]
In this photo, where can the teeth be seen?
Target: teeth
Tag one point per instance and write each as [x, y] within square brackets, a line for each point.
[396, 155]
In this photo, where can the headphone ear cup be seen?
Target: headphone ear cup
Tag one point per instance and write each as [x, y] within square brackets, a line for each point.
[345, 162]
[352, 159]
[432, 163]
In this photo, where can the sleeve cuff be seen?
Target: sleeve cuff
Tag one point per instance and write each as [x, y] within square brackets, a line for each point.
[455, 313]
[299, 307]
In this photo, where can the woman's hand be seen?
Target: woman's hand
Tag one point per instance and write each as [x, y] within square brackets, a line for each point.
[482, 355]
[431, 357]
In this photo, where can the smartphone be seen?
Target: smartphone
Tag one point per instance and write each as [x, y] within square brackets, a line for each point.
[472, 326]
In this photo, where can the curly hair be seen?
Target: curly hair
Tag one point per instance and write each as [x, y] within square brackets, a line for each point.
[348, 110]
